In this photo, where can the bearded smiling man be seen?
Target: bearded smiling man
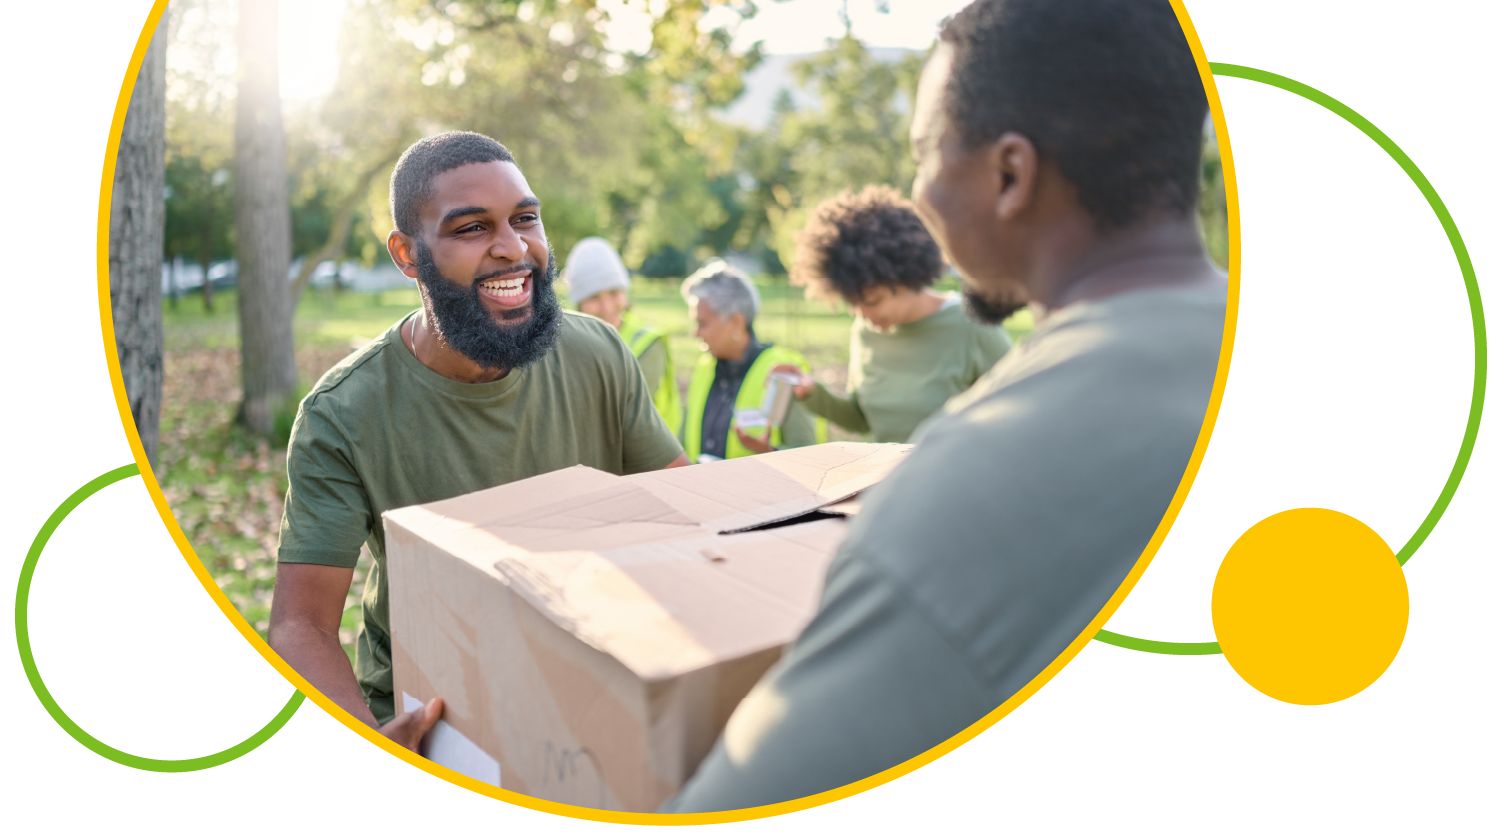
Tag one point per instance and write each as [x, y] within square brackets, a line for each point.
[489, 383]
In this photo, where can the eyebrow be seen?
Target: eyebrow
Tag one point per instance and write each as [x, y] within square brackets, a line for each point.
[528, 202]
[454, 214]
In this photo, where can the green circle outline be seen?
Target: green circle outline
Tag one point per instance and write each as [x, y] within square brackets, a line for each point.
[1476, 311]
[23, 643]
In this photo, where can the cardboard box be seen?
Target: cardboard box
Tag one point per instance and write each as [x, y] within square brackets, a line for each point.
[590, 634]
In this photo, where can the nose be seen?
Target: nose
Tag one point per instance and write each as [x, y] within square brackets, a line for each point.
[508, 245]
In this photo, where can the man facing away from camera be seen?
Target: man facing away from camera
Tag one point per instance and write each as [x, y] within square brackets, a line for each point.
[1058, 150]
[490, 382]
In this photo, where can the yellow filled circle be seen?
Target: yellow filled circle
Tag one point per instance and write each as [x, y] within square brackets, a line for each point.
[1310, 606]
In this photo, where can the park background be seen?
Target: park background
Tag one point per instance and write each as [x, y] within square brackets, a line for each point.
[678, 130]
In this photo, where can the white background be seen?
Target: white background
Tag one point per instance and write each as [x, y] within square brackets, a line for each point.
[1349, 390]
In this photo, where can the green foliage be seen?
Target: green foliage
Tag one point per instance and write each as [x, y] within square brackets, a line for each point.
[620, 144]
[1213, 210]
[854, 137]
[199, 207]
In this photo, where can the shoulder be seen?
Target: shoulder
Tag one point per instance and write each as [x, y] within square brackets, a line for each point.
[581, 332]
[350, 381]
[960, 327]
[777, 354]
[585, 342]
[580, 329]
[1100, 402]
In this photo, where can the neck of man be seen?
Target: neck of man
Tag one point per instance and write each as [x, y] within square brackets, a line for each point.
[441, 358]
[740, 348]
[1082, 264]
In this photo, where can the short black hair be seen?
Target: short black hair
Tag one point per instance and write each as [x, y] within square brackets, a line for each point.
[1105, 89]
[411, 182]
[857, 241]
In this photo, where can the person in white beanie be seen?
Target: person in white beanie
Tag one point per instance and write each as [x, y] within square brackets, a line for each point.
[600, 286]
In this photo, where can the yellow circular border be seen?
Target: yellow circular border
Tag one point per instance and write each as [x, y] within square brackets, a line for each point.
[154, 487]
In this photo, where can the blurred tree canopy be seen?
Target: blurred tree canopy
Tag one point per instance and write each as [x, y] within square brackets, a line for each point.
[625, 143]
[618, 143]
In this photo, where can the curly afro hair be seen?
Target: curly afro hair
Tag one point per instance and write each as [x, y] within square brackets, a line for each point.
[855, 242]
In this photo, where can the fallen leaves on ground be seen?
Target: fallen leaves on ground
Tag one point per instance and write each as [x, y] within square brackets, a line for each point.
[224, 485]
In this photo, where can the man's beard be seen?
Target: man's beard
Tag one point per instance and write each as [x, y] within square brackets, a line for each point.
[992, 309]
[462, 321]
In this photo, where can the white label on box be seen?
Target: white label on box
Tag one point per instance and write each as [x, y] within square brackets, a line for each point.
[451, 748]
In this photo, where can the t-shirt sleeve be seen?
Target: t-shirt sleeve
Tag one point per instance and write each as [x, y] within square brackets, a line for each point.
[326, 516]
[649, 443]
[845, 412]
[852, 697]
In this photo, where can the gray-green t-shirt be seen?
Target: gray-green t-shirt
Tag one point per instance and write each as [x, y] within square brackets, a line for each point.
[898, 378]
[381, 431]
[972, 566]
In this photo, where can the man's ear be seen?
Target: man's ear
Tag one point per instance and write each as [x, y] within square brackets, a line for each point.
[1014, 160]
[403, 253]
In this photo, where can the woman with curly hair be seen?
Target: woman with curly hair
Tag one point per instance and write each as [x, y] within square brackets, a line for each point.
[911, 348]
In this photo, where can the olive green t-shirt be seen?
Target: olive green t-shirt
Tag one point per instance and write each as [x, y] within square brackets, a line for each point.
[898, 378]
[987, 551]
[381, 431]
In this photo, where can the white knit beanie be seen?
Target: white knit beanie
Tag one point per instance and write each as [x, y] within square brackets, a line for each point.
[594, 266]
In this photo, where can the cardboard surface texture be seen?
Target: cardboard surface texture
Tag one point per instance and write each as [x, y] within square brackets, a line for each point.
[592, 633]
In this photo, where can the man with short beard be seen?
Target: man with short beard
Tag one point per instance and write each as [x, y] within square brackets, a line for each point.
[1057, 146]
[489, 383]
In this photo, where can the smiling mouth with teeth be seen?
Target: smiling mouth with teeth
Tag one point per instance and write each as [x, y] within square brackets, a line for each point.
[504, 288]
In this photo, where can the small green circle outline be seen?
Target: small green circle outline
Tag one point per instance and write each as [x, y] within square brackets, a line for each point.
[23, 643]
[1476, 311]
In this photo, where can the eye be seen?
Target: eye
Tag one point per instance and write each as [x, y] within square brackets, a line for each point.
[468, 228]
[526, 220]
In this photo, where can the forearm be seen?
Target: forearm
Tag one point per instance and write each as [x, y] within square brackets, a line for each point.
[317, 655]
[843, 411]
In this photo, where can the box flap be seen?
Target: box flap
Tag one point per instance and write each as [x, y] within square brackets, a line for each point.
[736, 494]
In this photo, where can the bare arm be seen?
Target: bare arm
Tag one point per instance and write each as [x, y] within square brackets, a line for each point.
[679, 462]
[305, 613]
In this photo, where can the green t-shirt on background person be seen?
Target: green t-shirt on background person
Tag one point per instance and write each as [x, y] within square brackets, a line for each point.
[900, 377]
[381, 431]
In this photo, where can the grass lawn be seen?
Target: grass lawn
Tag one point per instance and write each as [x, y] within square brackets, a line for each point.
[225, 486]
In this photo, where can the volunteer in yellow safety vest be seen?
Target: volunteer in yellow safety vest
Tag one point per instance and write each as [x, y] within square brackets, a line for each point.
[726, 397]
[600, 286]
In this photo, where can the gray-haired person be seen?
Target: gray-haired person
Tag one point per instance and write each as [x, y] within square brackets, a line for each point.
[733, 372]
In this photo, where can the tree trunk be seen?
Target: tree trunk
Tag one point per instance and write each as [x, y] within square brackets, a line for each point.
[208, 290]
[263, 224]
[173, 286]
[136, 226]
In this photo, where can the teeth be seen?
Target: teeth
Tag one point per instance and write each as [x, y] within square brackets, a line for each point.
[504, 287]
